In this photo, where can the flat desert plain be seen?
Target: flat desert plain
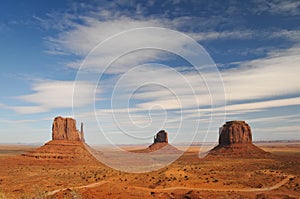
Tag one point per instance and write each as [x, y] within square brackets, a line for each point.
[276, 176]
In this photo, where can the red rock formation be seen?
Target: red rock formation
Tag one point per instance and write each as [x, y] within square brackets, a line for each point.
[235, 132]
[65, 129]
[63, 150]
[161, 137]
[161, 143]
[235, 140]
[67, 143]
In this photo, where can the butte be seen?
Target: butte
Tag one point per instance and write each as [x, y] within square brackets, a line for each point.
[67, 143]
[161, 144]
[235, 140]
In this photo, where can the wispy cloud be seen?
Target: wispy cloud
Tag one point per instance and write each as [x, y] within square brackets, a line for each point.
[214, 35]
[289, 7]
[82, 38]
[274, 75]
[293, 35]
[52, 94]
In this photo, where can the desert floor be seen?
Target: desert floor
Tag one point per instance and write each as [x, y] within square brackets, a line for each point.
[277, 176]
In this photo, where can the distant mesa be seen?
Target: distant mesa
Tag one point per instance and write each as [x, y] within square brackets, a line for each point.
[235, 139]
[67, 142]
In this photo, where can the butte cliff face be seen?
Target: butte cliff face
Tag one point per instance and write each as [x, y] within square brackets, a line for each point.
[235, 139]
[235, 132]
[65, 129]
[67, 143]
[161, 137]
[161, 143]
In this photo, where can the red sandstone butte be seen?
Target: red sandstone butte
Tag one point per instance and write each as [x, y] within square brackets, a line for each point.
[65, 129]
[235, 140]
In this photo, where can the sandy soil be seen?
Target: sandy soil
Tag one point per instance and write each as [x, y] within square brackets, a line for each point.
[189, 177]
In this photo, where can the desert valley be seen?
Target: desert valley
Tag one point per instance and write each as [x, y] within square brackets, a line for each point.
[236, 168]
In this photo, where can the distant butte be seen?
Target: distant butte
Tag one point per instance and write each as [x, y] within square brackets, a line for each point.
[235, 140]
[161, 137]
[160, 145]
[161, 142]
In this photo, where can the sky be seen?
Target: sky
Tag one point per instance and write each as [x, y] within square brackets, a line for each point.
[128, 69]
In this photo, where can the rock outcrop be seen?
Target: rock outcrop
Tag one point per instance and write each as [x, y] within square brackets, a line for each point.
[67, 143]
[65, 129]
[234, 132]
[235, 140]
[161, 143]
[62, 150]
[161, 137]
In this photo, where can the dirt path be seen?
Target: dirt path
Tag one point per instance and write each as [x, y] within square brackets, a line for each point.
[80, 187]
[276, 186]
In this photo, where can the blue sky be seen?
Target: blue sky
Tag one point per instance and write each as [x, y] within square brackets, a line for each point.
[255, 46]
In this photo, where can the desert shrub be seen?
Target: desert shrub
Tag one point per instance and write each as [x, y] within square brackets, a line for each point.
[75, 194]
[215, 180]
[39, 194]
[2, 196]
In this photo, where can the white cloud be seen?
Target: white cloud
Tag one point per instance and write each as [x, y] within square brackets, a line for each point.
[28, 109]
[295, 118]
[274, 75]
[17, 121]
[280, 130]
[264, 104]
[213, 35]
[50, 94]
[83, 38]
[287, 7]
[293, 35]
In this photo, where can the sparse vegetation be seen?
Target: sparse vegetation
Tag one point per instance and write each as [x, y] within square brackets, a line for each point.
[2, 196]
[251, 173]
